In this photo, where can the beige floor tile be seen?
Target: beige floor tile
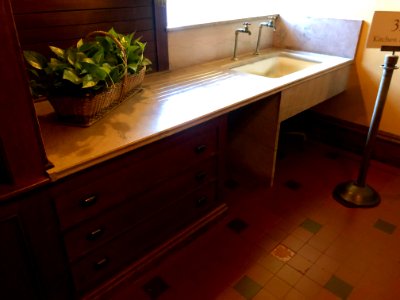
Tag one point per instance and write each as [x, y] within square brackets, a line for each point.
[293, 242]
[259, 274]
[300, 263]
[309, 252]
[308, 287]
[277, 287]
[290, 275]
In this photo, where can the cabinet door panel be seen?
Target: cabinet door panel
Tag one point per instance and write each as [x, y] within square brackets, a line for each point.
[16, 272]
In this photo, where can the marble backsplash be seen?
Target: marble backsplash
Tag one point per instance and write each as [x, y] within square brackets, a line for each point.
[322, 35]
[198, 44]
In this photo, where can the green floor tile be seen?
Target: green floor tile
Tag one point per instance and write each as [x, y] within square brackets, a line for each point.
[237, 225]
[385, 226]
[311, 225]
[339, 287]
[293, 185]
[247, 287]
[155, 287]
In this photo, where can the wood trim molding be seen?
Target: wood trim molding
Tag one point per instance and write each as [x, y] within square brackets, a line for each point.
[352, 137]
[160, 24]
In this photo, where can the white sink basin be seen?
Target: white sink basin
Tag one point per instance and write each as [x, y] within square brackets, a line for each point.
[278, 65]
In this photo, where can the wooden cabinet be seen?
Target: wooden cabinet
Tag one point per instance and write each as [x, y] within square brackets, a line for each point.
[65, 239]
[33, 264]
[116, 213]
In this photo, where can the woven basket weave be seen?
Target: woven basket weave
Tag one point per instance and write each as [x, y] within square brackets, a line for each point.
[84, 111]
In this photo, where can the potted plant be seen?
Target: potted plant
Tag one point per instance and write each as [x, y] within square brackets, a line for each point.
[88, 79]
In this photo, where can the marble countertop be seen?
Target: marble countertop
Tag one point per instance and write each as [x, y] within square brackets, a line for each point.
[168, 103]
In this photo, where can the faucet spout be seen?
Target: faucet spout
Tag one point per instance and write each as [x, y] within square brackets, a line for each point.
[270, 22]
[237, 31]
[245, 29]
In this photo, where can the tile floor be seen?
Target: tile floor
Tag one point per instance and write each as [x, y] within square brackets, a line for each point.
[292, 241]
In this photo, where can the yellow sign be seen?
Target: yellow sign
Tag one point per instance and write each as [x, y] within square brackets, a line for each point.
[385, 29]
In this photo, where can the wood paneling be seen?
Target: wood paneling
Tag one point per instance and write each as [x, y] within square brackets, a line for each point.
[62, 23]
[33, 6]
[72, 18]
[16, 270]
[33, 263]
[23, 153]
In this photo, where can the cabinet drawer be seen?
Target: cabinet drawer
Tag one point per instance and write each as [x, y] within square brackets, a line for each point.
[111, 257]
[93, 191]
[96, 231]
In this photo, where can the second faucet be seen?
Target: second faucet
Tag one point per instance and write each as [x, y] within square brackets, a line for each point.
[271, 22]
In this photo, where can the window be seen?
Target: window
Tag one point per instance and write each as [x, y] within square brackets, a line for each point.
[190, 12]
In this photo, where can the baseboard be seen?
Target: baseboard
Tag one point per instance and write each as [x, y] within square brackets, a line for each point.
[352, 137]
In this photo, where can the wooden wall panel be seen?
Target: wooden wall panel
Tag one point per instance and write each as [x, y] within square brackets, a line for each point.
[29, 6]
[72, 18]
[22, 155]
[62, 23]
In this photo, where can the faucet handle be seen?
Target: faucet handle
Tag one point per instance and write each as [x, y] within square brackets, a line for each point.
[246, 24]
[271, 21]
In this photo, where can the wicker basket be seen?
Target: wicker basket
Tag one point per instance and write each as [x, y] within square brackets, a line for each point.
[84, 111]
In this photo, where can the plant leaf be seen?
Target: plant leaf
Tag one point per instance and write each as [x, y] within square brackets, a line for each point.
[88, 60]
[58, 51]
[106, 67]
[113, 32]
[55, 65]
[79, 43]
[71, 55]
[99, 56]
[35, 59]
[117, 73]
[88, 81]
[146, 62]
[95, 71]
[71, 76]
[85, 47]
[133, 68]
[34, 72]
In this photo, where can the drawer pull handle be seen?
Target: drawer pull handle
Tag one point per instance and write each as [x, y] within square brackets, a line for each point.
[200, 149]
[201, 201]
[102, 263]
[95, 234]
[200, 176]
[89, 201]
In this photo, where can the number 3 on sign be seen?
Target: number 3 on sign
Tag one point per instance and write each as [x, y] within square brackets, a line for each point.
[385, 29]
[396, 25]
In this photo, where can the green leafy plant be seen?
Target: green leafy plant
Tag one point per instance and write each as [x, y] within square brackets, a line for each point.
[92, 65]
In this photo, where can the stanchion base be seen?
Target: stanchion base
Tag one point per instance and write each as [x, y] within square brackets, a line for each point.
[351, 195]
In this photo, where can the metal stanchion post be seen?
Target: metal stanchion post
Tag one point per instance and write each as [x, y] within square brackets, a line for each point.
[357, 193]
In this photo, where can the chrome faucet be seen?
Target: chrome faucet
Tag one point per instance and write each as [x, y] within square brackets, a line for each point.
[271, 22]
[237, 31]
